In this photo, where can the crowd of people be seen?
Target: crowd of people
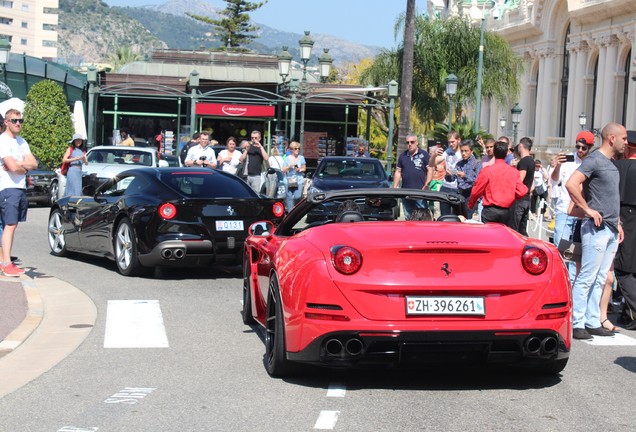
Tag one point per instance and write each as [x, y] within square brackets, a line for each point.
[592, 197]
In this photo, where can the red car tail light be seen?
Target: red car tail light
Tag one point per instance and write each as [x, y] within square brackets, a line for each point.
[278, 209]
[535, 260]
[326, 317]
[167, 211]
[552, 315]
[346, 259]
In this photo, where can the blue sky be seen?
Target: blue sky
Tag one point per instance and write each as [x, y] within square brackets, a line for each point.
[369, 22]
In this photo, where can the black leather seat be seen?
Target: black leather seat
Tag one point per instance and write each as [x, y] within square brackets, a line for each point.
[350, 216]
[449, 218]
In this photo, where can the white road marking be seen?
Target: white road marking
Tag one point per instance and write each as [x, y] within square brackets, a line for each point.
[134, 324]
[617, 340]
[336, 390]
[327, 420]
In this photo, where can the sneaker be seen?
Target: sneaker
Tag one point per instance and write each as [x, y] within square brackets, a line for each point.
[599, 331]
[580, 333]
[12, 270]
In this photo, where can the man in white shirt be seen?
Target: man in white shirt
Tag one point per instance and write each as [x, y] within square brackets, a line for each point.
[564, 224]
[201, 155]
[17, 160]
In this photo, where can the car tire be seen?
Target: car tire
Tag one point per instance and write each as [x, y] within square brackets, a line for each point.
[276, 362]
[56, 235]
[125, 247]
[246, 313]
[53, 192]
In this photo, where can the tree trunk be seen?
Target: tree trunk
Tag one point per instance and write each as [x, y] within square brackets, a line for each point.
[406, 91]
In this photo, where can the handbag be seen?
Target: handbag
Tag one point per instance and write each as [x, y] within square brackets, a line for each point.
[570, 250]
[64, 168]
[540, 190]
[292, 182]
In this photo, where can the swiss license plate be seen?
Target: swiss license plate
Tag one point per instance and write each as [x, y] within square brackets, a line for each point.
[445, 306]
[235, 225]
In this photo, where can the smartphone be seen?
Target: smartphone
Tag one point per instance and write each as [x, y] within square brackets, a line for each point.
[569, 158]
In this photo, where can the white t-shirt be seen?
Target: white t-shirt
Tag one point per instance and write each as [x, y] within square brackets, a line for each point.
[230, 167]
[197, 151]
[17, 148]
[276, 162]
[566, 171]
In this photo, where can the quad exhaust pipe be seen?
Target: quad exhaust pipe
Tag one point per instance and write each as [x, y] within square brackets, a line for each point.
[352, 347]
[543, 347]
[173, 253]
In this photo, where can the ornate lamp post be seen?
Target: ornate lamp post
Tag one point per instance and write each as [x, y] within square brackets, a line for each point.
[91, 76]
[502, 123]
[478, 14]
[301, 89]
[451, 90]
[5, 47]
[582, 120]
[393, 94]
[193, 82]
[516, 119]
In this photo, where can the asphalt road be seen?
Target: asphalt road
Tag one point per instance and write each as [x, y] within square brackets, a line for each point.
[211, 376]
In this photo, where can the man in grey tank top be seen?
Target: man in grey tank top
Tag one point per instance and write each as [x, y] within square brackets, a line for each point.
[593, 187]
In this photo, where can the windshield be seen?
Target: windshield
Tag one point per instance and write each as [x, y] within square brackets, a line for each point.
[124, 156]
[343, 168]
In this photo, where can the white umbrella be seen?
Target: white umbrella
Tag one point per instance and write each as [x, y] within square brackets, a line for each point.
[79, 120]
[13, 103]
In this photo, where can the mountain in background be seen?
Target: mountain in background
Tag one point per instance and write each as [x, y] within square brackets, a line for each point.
[89, 31]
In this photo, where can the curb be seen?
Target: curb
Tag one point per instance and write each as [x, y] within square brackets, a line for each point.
[32, 320]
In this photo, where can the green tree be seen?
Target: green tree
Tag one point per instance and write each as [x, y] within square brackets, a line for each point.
[406, 87]
[48, 123]
[444, 46]
[122, 56]
[234, 28]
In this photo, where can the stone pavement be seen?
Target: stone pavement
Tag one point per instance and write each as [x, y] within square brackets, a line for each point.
[42, 321]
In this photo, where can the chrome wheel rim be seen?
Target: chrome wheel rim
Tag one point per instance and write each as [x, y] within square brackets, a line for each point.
[56, 233]
[123, 246]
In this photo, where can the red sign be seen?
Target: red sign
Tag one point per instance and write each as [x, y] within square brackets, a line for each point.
[230, 110]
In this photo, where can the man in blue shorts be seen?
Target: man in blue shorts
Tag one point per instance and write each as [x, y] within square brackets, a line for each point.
[17, 160]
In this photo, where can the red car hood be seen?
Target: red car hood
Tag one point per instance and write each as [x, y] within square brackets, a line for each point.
[437, 259]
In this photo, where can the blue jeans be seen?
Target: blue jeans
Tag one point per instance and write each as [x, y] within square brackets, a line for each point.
[564, 229]
[599, 247]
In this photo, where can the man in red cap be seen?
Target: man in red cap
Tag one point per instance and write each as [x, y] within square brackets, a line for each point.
[625, 261]
[563, 169]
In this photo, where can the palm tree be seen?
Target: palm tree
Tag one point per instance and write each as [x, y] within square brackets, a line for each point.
[124, 55]
[406, 92]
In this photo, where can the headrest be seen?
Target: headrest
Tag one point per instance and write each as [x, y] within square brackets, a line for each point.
[350, 216]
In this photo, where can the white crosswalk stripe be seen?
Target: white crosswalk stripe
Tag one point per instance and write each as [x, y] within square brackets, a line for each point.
[134, 324]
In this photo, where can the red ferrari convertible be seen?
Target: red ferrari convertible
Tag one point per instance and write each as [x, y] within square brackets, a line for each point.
[357, 287]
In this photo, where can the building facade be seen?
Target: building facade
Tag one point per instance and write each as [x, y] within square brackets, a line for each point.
[579, 63]
[30, 26]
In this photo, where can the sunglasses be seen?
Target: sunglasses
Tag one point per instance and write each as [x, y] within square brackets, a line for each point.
[411, 142]
[15, 121]
[582, 147]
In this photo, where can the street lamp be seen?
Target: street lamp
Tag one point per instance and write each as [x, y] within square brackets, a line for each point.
[193, 81]
[393, 94]
[582, 120]
[91, 77]
[451, 90]
[516, 119]
[502, 123]
[301, 88]
[478, 14]
[5, 47]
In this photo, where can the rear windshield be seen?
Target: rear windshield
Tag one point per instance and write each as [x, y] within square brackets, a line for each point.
[366, 169]
[207, 185]
[125, 156]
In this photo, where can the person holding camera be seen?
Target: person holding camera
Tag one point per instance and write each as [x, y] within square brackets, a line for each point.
[294, 166]
[201, 155]
[253, 158]
[564, 167]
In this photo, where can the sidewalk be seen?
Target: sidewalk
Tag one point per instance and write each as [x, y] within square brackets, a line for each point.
[39, 327]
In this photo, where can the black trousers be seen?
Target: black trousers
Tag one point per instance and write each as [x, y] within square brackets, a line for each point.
[519, 216]
[627, 284]
[495, 214]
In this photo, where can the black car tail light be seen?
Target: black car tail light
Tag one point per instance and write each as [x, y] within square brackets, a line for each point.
[278, 209]
[346, 259]
[167, 211]
[535, 260]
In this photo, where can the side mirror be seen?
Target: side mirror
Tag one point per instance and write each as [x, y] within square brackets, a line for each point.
[261, 229]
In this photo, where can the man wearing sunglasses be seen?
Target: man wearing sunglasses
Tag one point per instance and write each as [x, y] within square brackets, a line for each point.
[563, 169]
[17, 160]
